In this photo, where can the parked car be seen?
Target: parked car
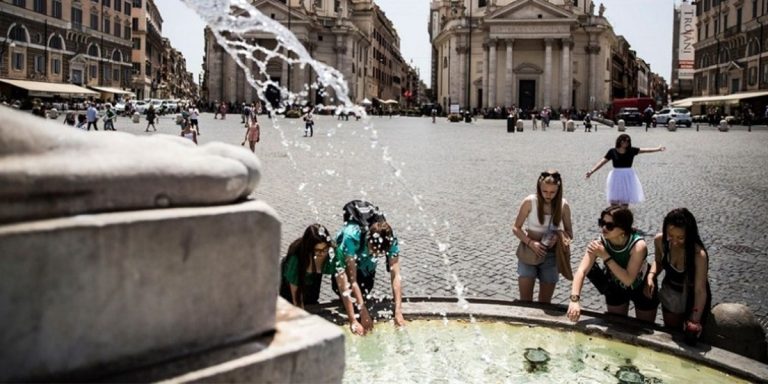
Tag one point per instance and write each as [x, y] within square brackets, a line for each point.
[630, 115]
[681, 115]
[140, 106]
[120, 108]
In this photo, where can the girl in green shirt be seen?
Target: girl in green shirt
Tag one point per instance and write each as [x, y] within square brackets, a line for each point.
[307, 260]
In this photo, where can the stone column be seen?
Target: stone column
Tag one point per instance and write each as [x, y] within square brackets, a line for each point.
[485, 74]
[461, 52]
[230, 82]
[547, 73]
[492, 74]
[592, 52]
[565, 75]
[510, 84]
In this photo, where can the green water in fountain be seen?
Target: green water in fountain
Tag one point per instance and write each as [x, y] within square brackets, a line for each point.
[438, 351]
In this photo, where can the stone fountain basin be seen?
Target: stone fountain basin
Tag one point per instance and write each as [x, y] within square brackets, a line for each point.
[625, 330]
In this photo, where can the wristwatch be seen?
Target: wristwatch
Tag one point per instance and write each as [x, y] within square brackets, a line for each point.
[575, 298]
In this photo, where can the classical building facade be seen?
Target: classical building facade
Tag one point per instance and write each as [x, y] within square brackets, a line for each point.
[623, 70]
[147, 53]
[353, 36]
[530, 53]
[82, 42]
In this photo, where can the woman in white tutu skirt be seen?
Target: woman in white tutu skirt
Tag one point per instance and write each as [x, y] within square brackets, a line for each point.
[623, 187]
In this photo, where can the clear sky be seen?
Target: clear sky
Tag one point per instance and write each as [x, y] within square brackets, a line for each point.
[646, 24]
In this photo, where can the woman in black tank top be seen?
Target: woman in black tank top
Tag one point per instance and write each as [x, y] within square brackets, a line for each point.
[681, 254]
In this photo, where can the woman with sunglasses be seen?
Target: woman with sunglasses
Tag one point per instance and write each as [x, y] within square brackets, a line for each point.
[307, 260]
[543, 214]
[623, 187]
[623, 253]
[685, 295]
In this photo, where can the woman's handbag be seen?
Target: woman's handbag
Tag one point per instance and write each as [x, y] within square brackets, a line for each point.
[563, 255]
[672, 300]
[527, 256]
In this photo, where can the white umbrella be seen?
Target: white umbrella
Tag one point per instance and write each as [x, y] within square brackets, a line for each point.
[366, 102]
[390, 101]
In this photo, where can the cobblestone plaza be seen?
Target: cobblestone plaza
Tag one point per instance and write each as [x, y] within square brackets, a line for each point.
[458, 186]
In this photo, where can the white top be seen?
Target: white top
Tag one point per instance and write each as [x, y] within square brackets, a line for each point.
[532, 221]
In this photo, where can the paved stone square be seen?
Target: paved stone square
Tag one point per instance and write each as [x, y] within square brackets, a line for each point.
[459, 185]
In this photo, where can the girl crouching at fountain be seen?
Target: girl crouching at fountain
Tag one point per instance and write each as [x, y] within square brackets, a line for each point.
[547, 216]
[307, 260]
[685, 295]
[623, 279]
[366, 238]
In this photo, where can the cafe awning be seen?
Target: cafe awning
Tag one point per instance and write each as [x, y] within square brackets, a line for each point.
[734, 98]
[114, 91]
[40, 88]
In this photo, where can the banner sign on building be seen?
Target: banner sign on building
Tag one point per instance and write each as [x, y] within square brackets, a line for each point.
[687, 39]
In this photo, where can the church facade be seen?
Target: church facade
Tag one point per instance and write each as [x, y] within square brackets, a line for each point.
[528, 53]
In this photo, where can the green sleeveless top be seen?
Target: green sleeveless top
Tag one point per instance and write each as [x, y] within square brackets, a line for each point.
[621, 256]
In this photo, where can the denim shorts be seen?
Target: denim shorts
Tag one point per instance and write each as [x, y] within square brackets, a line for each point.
[546, 272]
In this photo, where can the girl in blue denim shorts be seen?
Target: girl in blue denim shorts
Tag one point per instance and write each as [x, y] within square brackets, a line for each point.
[543, 214]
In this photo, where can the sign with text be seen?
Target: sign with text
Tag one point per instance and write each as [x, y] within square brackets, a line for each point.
[687, 38]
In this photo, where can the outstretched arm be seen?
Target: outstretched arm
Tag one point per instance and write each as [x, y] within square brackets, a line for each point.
[597, 167]
[651, 150]
[346, 298]
[365, 318]
[574, 307]
[394, 273]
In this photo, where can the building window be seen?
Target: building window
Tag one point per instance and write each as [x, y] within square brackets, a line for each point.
[20, 3]
[706, 30]
[137, 3]
[93, 50]
[482, 3]
[738, 20]
[56, 11]
[56, 66]
[135, 23]
[18, 61]
[754, 9]
[95, 22]
[136, 69]
[107, 75]
[136, 43]
[116, 74]
[319, 4]
[107, 26]
[127, 9]
[764, 72]
[107, 3]
[127, 32]
[77, 17]
[94, 72]
[40, 6]
[119, 5]
[56, 43]
[753, 76]
[18, 33]
[39, 64]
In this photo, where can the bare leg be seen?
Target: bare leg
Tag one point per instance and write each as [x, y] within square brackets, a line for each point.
[546, 290]
[525, 284]
[252, 144]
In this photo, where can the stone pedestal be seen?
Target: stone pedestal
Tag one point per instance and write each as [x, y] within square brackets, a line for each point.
[723, 127]
[519, 125]
[570, 126]
[671, 125]
[621, 125]
[106, 292]
[735, 328]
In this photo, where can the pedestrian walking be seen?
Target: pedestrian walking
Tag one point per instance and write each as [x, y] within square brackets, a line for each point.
[623, 186]
[92, 116]
[194, 116]
[309, 123]
[252, 131]
[109, 118]
[685, 294]
[188, 132]
[622, 278]
[151, 117]
[546, 216]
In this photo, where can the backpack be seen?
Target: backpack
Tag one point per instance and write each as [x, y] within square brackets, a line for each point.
[366, 214]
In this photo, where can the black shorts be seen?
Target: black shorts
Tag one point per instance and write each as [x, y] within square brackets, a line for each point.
[618, 295]
[364, 281]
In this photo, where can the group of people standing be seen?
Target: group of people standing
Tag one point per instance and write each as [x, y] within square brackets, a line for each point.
[543, 226]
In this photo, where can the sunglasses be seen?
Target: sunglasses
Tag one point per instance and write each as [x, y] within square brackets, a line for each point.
[608, 225]
[554, 175]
